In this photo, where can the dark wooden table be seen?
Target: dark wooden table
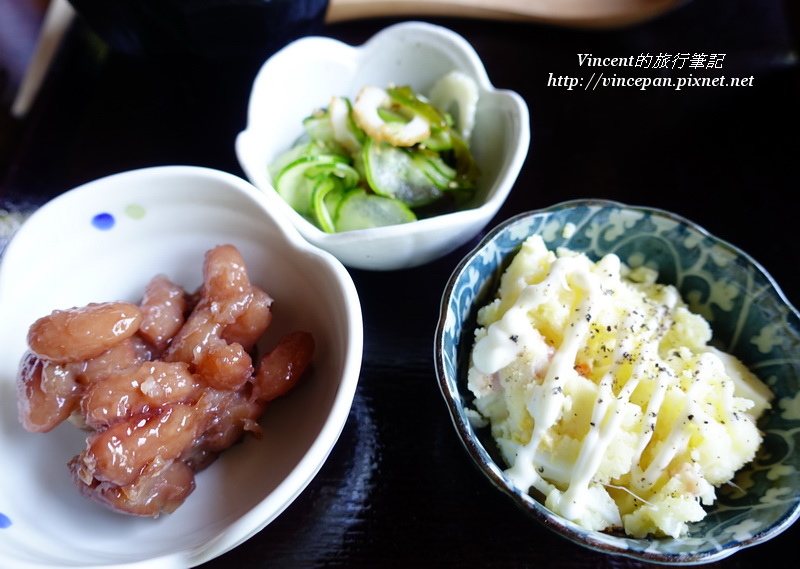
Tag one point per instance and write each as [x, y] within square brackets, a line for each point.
[398, 489]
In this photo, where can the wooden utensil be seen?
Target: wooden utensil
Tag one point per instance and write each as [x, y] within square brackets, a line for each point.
[583, 13]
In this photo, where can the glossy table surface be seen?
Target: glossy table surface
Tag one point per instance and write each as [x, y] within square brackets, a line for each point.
[398, 489]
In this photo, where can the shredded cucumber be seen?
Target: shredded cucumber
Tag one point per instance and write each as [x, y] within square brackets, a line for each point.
[341, 178]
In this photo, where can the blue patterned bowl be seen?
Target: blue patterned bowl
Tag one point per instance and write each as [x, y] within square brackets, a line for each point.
[750, 317]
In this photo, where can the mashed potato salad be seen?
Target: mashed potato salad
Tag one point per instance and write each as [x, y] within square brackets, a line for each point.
[604, 395]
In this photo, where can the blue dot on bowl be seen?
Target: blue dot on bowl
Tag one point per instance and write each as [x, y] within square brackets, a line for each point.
[103, 221]
[5, 521]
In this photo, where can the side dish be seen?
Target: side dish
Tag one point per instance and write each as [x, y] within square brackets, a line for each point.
[604, 395]
[162, 386]
[389, 156]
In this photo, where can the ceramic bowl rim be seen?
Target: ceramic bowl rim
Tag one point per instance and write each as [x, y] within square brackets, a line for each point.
[264, 511]
[494, 472]
[496, 192]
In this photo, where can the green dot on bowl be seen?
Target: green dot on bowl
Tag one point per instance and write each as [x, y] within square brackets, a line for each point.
[134, 211]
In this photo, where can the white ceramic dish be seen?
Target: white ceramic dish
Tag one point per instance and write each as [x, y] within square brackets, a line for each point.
[104, 241]
[304, 75]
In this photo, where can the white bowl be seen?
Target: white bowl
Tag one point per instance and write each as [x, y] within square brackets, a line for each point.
[164, 220]
[305, 74]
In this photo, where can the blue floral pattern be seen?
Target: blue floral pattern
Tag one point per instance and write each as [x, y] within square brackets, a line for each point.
[750, 318]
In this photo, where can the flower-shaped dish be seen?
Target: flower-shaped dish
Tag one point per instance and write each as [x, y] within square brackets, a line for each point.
[750, 318]
[304, 76]
[104, 241]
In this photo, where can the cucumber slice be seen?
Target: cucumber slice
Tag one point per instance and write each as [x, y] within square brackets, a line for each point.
[392, 172]
[335, 155]
[332, 183]
[436, 170]
[325, 200]
[337, 168]
[361, 210]
[304, 147]
[318, 127]
[296, 182]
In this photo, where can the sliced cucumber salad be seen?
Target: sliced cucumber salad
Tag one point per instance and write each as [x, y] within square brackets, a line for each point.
[390, 156]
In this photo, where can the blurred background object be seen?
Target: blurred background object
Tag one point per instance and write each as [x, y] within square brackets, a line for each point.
[209, 28]
[580, 13]
[218, 29]
[20, 24]
[55, 23]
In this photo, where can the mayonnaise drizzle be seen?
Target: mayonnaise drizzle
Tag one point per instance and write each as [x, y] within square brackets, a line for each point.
[603, 330]
[513, 333]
